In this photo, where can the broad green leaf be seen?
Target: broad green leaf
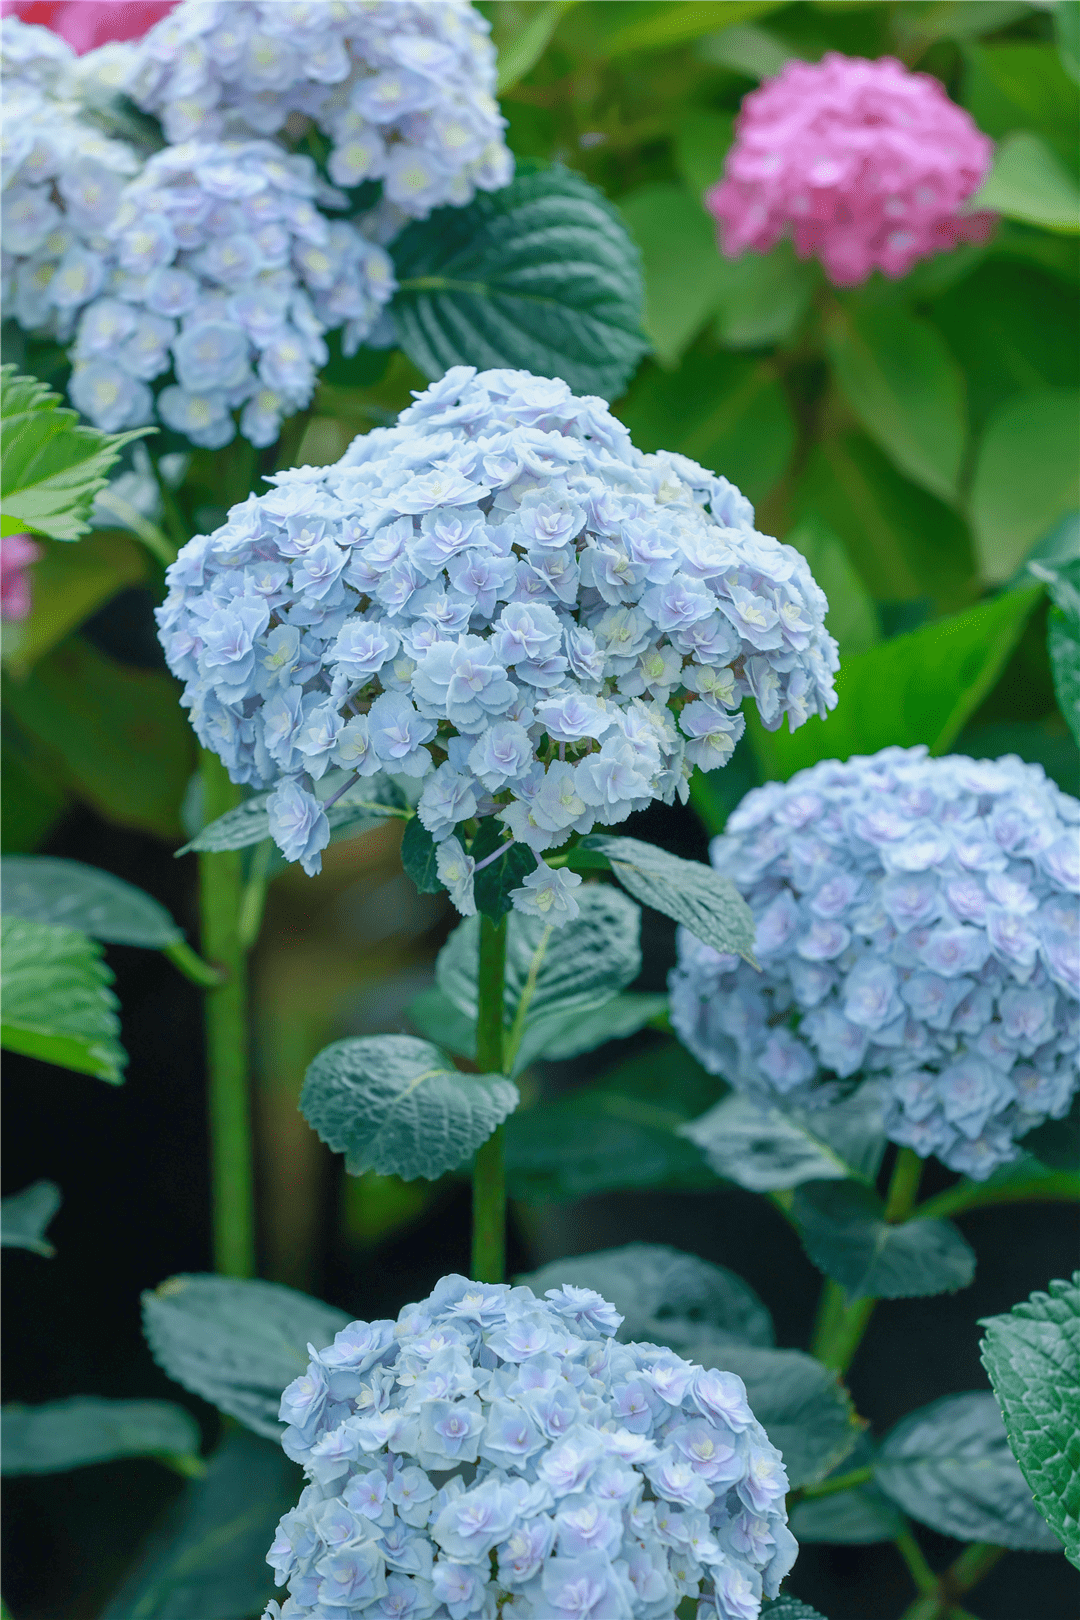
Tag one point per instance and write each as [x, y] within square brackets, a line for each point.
[57, 1005]
[949, 1466]
[685, 276]
[493, 887]
[689, 891]
[58, 1435]
[392, 1104]
[918, 23]
[541, 276]
[48, 889]
[1067, 30]
[852, 617]
[419, 854]
[665, 1295]
[702, 139]
[207, 1561]
[1030, 183]
[748, 50]
[784, 1608]
[521, 34]
[918, 687]
[857, 1517]
[566, 1037]
[1027, 476]
[434, 1016]
[372, 801]
[843, 1229]
[52, 465]
[1056, 1143]
[764, 297]
[899, 378]
[237, 1343]
[1023, 85]
[1033, 1357]
[769, 1149]
[24, 1217]
[71, 583]
[651, 25]
[1063, 644]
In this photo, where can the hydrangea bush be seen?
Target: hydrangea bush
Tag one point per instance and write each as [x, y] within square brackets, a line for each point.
[916, 919]
[499, 595]
[494, 1453]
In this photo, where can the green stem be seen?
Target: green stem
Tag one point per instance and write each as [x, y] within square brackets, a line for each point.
[192, 966]
[489, 1174]
[157, 544]
[903, 1186]
[1052, 1187]
[253, 899]
[221, 888]
[918, 1568]
[973, 1564]
[840, 1482]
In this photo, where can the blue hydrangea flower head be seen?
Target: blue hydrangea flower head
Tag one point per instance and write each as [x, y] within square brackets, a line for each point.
[502, 598]
[491, 1453]
[405, 89]
[917, 921]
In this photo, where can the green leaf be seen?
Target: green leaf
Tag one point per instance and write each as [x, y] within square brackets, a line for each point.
[702, 139]
[568, 1036]
[649, 25]
[1063, 645]
[1030, 183]
[208, 1558]
[920, 23]
[918, 687]
[1022, 85]
[1056, 1143]
[541, 276]
[235, 1342]
[69, 584]
[392, 1104]
[752, 52]
[1032, 1354]
[25, 1215]
[47, 889]
[764, 297]
[373, 800]
[689, 891]
[684, 273]
[419, 854]
[434, 1016]
[768, 1149]
[58, 1435]
[1026, 476]
[521, 34]
[784, 1608]
[52, 465]
[57, 1005]
[665, 1295]
[949, 1466]
[857, 1517]
[906, 389]
[843, 1229]
[493, 886]
[852, 617]
[1067, 29]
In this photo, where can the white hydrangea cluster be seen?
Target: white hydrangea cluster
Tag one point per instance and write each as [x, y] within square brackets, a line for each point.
[917, 919]
[403, 88]
[492, 1454]
[227, 273]
[500, 595]
[62, 183]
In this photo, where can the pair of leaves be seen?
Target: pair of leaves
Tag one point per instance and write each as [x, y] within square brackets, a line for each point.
[843, 1230]
[57, 1005]
[24, 1217]
[769, 1149]
[84, 1429]
[1033, 1357]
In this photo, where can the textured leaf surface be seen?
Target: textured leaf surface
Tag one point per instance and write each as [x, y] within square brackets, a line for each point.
[237, 1343]
[784, 1608]
[392, 1104]
[949, 1466]
[665, 1295]
[85, 1429]
[541, 276]
[689, 891]
[372, 801]
[24, 1217]
[47, 889]
[208, 1559]
[51, 464]
[767, 1149]
[1033, 1357]
[57, 1004]
[566, 1037]
[844, 1232]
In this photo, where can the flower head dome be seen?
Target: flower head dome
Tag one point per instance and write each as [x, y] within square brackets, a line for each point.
[403, 88]
[228, 274]
[865, 164]
[494, 1452]
[501, 596]
[917, 920]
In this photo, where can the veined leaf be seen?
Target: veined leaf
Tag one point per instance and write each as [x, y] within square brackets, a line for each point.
[48, 889]
[58, 1435]
[565, 1036]
[844, 1231]
[57, 1005]
[769, 1149]
[373, 800]
[784, 1608]
[24, 1217]
[689, 891]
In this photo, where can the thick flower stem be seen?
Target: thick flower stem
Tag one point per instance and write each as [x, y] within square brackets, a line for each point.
[489, 1175]
[221, 892]
[904, 1186]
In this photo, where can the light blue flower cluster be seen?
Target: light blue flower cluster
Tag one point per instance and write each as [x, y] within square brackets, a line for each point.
[916, 919]
[500, 595]
[494, 1454]
[404, 88]
[62, 183]
[227, 274]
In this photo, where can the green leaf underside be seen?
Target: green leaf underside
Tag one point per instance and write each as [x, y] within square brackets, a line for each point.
[434, 1016]
[949, 1466]
[24, 1217]
[86, 1429]
[541, 276]
[57, 1004]
[689, 891]
[393, 1105]
[51, 464]
[844, 1232]
[208, 1558]
[237, 1343]
[372, 801]
[1032, 1354]
[850, 1518]
[47, 889]
[768, 1149]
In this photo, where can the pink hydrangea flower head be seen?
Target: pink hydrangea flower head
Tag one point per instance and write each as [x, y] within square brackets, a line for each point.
[17, 552]
[86, 24]
[865, 164]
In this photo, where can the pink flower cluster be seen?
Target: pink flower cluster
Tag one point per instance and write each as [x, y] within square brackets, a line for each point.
[864, 162]
[88, 23]
[17, 552]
